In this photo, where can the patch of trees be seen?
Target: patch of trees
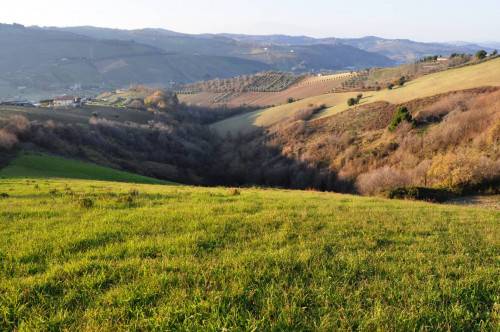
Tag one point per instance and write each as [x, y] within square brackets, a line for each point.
[429, 58]
[265, 82]
[354, 101]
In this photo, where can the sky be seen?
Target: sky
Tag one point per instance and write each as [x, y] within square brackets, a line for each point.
[420, 20]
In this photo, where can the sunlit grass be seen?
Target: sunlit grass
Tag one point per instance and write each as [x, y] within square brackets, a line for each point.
[153, 257]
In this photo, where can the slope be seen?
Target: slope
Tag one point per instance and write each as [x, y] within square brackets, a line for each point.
[193, 258]
[279, 56]
[484, 74]
[28, 165]
[37, 59]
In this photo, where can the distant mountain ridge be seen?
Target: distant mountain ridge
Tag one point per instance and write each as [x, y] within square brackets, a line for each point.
[51, 59]
[398, 50]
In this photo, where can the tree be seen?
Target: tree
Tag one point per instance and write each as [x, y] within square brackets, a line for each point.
[351, 102]
[377, 88]
[359, 96]
[481, 54]
[401, 81]
[495, 52]
[401, 115]
[290, 100]
[390, 86]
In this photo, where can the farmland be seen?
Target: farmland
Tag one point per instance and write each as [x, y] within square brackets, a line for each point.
[484, 74]
[145, 257]
[308, 87]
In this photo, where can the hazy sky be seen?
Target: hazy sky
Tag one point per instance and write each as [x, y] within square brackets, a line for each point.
[422, 20]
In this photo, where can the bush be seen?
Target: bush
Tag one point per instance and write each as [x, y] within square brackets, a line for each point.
[401, 114]
[481, 54]
[390, 86]
[377, 88]
[8, 141]
[4, 195]
[419, 193]
[290, 100]
[351, 102]
[401, 81]
[380, 179]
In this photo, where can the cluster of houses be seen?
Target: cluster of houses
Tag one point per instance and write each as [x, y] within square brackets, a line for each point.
[59, 101]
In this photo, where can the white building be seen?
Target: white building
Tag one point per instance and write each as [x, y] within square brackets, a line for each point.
[64, 101]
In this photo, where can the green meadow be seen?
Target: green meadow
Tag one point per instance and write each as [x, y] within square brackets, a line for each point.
[41, 166]
[89, 255]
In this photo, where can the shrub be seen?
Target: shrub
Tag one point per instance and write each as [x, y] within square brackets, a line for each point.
[401, 114]
[290, 100]
[419, 193]
[4, 195]
[359, 96]
[7, 140]
[462, 169]
[481, 54]
[377, 88]
[351, 102]
[390, 86]
[401, 81]
[379, 179]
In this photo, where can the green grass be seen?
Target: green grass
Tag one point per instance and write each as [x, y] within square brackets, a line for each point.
[146, 257]
[28, 165]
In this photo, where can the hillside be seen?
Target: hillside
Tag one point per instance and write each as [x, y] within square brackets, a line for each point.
[302, 57]
[36, 62]
[86, 255]
[304, 88]
[484, 74]
[400, 50]
[38, 166]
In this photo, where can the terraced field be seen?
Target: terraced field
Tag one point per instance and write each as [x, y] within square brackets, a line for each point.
[484, 74]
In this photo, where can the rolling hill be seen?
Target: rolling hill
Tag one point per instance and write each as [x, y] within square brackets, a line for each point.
[39, 166]
[300, 57]
[484, 74]
[399, 50]
[35, 59]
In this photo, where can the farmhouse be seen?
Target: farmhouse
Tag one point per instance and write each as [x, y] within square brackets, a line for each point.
[64, 101]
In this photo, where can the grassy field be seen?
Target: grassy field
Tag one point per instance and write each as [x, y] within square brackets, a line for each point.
[484, 74]
[28, 165]
[89, 255]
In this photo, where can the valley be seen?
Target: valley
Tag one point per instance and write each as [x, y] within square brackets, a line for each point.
[166, 181]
